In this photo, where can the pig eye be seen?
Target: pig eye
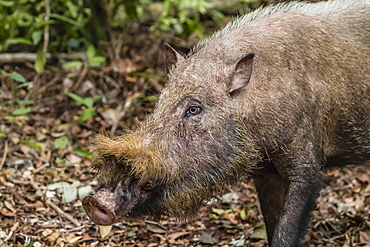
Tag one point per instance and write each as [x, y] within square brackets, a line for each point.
[147, 186]
[193, 110]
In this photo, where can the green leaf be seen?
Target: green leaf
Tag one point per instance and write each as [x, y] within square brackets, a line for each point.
[66, 19]
[73, 9]
[96, 61]
[83, 153]
[89, 102]
[259, 232]
[25, 102]
[10, 118]
[6, 3]
[72, 64]
[86, 115]
[131, 10]
[243, 214]
[61, 142]
[40, 61]
[96, 97]
[21, 111]
[36, 37]
[78, 99]
[151, 98]
[212, 216]
[222, 211]
[72, 164]
[218, 211]
[90, 51]
[16, 76]
[130, 234]
[18, 41]
[2, 135]
[26, 84]
[35, 145]
[217, 14]
[59, 160]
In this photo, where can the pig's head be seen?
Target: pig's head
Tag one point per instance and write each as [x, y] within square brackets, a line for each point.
[192, 148]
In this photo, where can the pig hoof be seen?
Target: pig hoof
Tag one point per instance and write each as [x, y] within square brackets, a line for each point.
[99, 213]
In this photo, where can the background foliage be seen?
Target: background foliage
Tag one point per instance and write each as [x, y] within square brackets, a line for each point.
[76, 23]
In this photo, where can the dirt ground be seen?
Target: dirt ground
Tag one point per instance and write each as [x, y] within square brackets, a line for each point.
[45, 157]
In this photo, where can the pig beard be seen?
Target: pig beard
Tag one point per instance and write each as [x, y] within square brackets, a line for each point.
[187, 169]
[223, 157]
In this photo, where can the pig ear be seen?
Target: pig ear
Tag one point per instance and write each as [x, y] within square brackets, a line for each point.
[172, 58]
[242, 73]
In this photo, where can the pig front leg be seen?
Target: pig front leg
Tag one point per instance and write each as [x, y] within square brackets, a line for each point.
[271, 191]
[287, 196]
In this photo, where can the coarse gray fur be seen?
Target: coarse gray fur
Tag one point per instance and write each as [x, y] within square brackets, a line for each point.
[326, 7]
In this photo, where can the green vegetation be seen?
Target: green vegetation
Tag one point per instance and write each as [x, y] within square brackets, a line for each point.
[81, 25]
[88, 111]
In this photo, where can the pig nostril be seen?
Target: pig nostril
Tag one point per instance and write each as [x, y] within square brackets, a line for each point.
[101, 211]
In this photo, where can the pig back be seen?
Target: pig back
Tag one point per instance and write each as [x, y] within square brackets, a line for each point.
[311, 77]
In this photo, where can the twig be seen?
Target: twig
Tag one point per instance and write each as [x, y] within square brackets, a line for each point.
[46, 30]
[15, 181]
[72, 230]
[30, 182]
[82, 76]
[35, 186]
[47, 85]
[31, 57]
[9, 236]
[41, 167]
[62, 213]
[4, 155]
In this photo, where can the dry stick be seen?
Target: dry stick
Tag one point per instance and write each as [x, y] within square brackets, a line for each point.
[82, 76]
[35, 186]
[4, 155]
[47, 85]
[31, 57]
[46, 30]
[41, 168]
[62, 213]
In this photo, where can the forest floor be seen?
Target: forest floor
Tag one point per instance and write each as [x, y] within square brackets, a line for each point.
[45, 157]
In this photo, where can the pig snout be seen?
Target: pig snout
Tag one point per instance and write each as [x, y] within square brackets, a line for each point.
[100, 208]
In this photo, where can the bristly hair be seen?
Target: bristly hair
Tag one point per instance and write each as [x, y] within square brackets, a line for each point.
[263, 12]
[129, 155]
[218, 172]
